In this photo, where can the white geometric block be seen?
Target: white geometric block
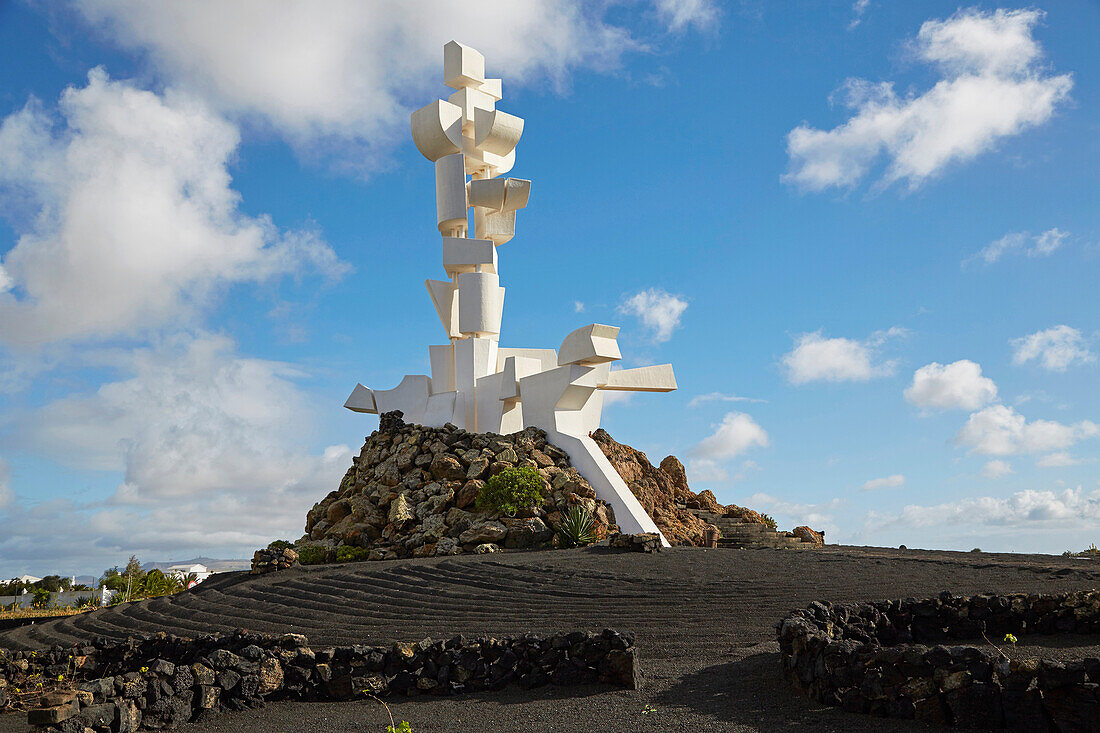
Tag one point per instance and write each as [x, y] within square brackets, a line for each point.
[462, 66]
[590, 345]
[515, 369]
[470, 101]
[440, 409]
[489, 411]
[437, 129]
[499, 194]
[411, 397]
[493, 88]
[442, 359]
[547, 358]
[468, 255]
[495, 131]
[445, 299]
[488, 164]
[656, 378]
[480, 303]
[474, 359]
[497, 226]
[361, 400]
[450, 194]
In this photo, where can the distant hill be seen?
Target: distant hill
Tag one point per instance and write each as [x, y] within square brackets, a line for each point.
[215, 565]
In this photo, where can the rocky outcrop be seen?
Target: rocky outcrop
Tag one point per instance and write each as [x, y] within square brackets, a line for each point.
[809, 535]
[412, 491]
[664, 493]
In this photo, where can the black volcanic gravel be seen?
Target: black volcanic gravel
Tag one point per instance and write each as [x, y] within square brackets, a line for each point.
[704, 621]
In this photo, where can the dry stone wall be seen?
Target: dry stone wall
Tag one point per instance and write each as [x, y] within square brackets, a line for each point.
[162, 681]
[411, 492]
[893, 659]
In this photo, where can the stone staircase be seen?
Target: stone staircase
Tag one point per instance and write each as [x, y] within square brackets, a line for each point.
[736, 533]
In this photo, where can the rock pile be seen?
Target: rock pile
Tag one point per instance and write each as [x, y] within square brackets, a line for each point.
[272, 559]
[162, 681]
[641, 542]
[664, 493]
[411, 492]
[888, 658]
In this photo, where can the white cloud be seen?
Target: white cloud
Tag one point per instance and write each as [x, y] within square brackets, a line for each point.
[1068, 508]
[1042, 245]
[131, 221]
[578, 307]
[6, 494]
[680, 14]
[859, 7]
[1048, 242]
[1056, 348]
[993, 86]
[202, 436]
[996, 469]
[1001, 431]
[819, 359]
[959, 385]
[888, 482]
[817, 516]
[737, 433]
[704, 470]
[658, 310]
[344, 75]
[720, 397]
[1058, 460]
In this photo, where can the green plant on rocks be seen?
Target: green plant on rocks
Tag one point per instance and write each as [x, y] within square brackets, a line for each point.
[349, 554]
[280, 545]
[769, 522]
[577, 528]
[511, 490]
[312, 555]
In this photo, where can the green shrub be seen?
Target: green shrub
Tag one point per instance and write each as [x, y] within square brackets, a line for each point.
[769, 522]
[976, 549]
[577, 528]
[349, 554]
[83, 601]
[511, 490]
[312, 555]
[41, 598]
[279, 545]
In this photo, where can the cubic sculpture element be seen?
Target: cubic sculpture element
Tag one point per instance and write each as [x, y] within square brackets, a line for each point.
[477, 384]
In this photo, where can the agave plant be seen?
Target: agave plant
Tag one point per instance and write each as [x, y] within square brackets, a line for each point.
[577, 528]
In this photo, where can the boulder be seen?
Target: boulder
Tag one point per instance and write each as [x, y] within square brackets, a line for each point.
[483, 532]
[400, 510]
[808, 535]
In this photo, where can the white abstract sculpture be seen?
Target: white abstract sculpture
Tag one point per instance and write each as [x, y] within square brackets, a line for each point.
[476, 384]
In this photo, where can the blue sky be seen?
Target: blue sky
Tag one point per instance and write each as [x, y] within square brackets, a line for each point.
[865, 235]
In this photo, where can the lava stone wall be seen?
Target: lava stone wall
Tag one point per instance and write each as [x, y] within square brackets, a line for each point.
[162, 681]
[889, 658]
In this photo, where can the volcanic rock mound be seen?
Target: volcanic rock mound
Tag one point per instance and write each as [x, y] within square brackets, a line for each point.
[663, 492]
[411, 492]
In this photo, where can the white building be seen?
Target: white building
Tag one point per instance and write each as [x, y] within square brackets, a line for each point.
[181, 571]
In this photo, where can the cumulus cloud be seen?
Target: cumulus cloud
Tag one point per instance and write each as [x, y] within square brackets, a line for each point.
[344, 76]
[720, 397]
[818, 516]
[887, 482]
[1039, 245]
[128, 218]
[6, 494]
[996, 469]
[993, 86]
[1070, 508]
[999, 430]
[680, 14]
[1056, 348]
[816, 358]
[736, 434]
[202, 436]
[959, 385]
[1058, 460]
[659, 311]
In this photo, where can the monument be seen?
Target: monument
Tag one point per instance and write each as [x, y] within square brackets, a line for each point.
[476, 384]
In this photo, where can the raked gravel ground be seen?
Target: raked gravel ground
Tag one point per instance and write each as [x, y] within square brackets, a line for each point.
[704, 621]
